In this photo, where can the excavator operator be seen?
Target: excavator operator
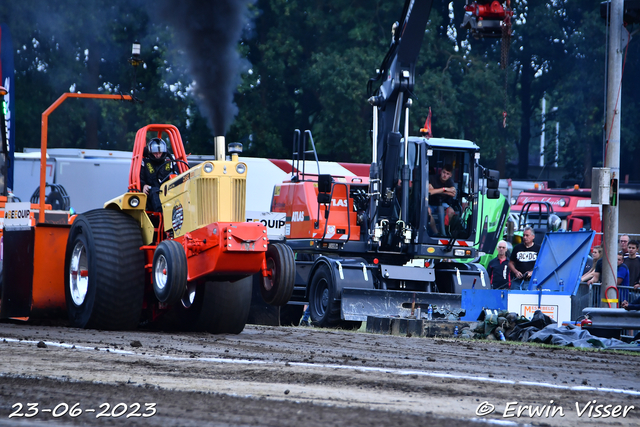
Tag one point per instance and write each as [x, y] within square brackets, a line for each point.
[442, 190]
[157, 165]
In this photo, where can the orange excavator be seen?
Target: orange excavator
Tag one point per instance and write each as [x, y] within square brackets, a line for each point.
[354, 235]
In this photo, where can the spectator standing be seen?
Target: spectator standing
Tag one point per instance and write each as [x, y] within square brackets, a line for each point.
[597, 272]
[623, 243]
[498, 268]
[633, 262]
[596, 255]
[623, 271]
[622, 275]
[524, 257]
[305, 317]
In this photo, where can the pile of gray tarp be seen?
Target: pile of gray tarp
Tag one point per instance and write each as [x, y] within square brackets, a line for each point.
[543, 329]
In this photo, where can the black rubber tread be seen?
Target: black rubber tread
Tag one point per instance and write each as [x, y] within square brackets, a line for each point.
[176, 271]
[329, 317]
[116, 271]
[284, 274]
[225, 306]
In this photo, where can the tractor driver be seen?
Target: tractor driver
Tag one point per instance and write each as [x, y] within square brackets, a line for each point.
[441, 193]
[156, 166]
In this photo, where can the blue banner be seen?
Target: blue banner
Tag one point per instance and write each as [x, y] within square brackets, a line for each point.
[7, 79]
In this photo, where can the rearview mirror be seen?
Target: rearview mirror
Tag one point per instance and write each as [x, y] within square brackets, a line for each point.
[324, 183]
[493, 178]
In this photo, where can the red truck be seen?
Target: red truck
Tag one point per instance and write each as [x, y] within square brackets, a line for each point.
[574, 207]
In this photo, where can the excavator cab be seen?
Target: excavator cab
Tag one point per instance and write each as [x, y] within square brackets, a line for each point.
[434, 216]
[487, 18]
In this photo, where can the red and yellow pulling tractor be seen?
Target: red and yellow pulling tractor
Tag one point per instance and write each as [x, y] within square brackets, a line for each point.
[114, 267]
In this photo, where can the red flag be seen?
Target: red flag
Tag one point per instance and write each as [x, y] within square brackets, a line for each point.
[426, 130]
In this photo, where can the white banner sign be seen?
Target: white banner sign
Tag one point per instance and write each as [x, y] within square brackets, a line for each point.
[17, 215]
[274, 221]
[525, 303]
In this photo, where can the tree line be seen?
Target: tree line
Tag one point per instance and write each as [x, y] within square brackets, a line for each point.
[308, 66]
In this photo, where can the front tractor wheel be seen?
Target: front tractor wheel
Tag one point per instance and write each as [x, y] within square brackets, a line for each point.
[277, 286]
[104, 271]
[169, 271]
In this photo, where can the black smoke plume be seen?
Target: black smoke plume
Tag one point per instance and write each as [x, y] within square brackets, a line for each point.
[208, 32]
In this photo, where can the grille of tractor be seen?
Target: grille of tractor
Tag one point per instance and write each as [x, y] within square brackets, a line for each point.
[238, 195]
[207, 196]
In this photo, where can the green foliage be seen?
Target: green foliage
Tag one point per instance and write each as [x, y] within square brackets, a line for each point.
[310, 63]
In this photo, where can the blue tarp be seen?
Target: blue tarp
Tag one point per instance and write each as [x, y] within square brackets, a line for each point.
[561, 261]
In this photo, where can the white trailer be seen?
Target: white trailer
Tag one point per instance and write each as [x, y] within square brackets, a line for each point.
[91, 177]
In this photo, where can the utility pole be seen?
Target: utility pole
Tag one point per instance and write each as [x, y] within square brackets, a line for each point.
[555, 162]
[542, 131]
[612, 153]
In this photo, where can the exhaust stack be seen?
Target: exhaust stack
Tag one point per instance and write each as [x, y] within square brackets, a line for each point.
[219, 144]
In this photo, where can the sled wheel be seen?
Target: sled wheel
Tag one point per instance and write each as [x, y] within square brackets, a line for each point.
[104, 271]
[290, 315]
[216, 307]
[277, 288]
[323, 308]
[169, 271]
[225, 306]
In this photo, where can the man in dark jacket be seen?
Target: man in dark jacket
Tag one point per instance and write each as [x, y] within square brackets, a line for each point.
[498, 268]
[633, 305]
[156, 166]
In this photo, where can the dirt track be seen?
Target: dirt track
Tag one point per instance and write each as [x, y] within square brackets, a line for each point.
[303, 377]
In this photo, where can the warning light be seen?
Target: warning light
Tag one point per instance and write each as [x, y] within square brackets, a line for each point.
[576, 187]
[426, 264]
[375, 261]
[535, 185]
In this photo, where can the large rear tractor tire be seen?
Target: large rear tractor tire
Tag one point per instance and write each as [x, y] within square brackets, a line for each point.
[104, 271]
[169, 271]
[323, 309]
[277, 288]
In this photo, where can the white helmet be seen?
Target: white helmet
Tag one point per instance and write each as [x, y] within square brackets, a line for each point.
[157, 145]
